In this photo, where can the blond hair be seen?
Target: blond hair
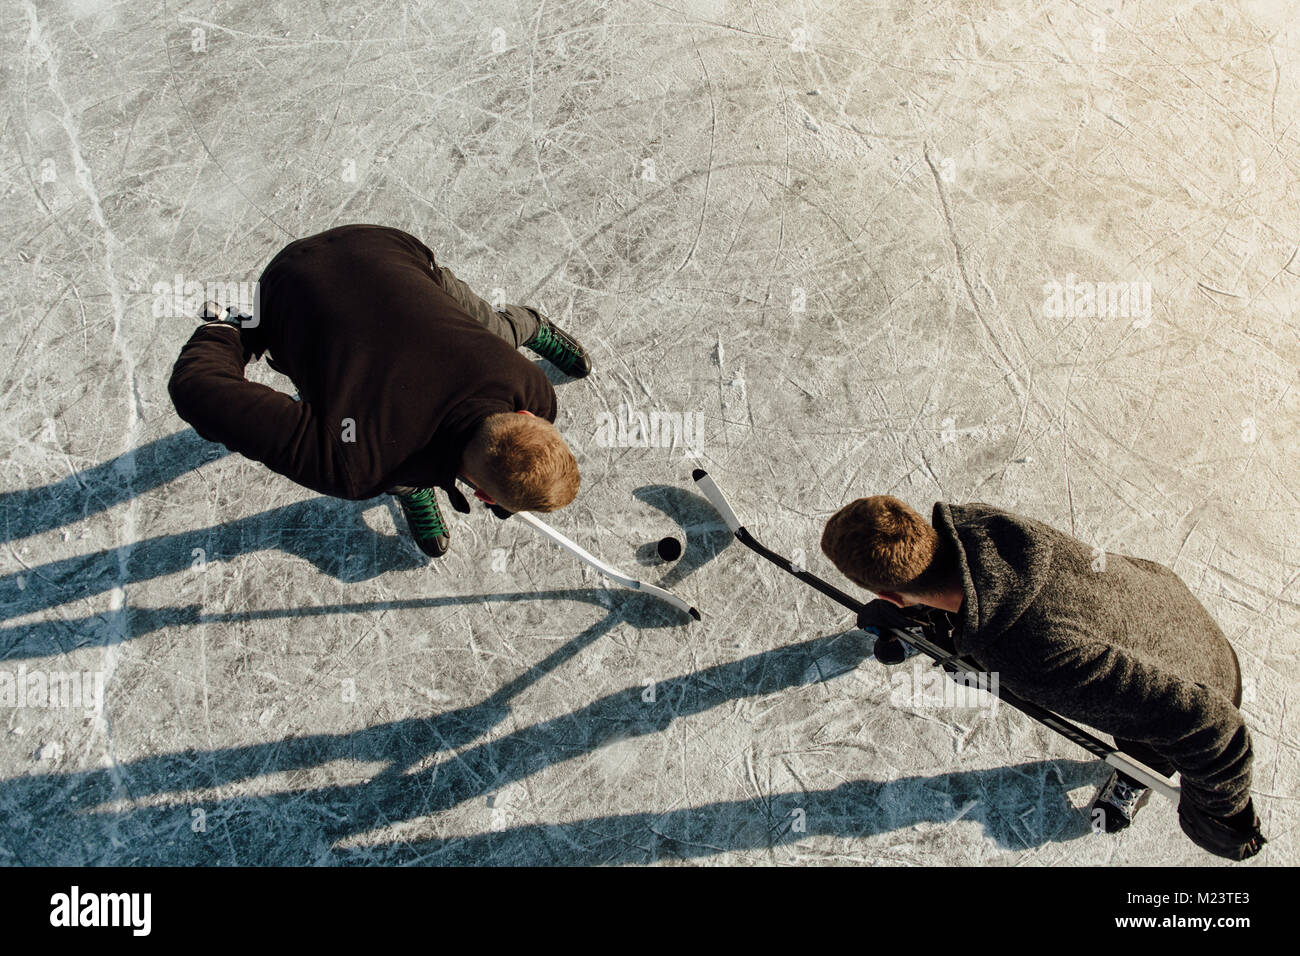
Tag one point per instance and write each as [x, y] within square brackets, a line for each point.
[529, 464]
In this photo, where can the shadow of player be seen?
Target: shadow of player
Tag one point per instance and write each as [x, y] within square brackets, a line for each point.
[329, 533]
[306, 824]
[435, 763]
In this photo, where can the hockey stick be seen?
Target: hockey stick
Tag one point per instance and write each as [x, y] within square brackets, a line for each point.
[582, 554]
[609, 572]
[888, 618]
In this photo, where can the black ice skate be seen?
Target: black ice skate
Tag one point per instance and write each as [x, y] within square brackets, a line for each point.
[1118, 802]
[424, 518]
[559, 348]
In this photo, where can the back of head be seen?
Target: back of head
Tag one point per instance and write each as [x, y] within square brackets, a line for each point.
[882, 544]
[528, 464]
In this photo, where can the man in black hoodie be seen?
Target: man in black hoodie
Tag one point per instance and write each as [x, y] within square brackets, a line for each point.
[1115, 642]
[407, 380]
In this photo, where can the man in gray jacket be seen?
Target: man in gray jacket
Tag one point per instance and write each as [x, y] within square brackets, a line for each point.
[1115, 642]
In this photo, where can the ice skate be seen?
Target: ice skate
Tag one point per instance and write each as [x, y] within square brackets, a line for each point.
[559, 348]
[424, 518]
[1119, 801]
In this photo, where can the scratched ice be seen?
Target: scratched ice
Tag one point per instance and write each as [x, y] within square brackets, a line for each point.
[1039, 255]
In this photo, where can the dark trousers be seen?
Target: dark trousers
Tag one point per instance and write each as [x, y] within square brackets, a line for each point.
[514, 323]
[1141, 752]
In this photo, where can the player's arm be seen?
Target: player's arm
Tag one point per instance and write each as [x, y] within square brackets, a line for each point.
[210, 392]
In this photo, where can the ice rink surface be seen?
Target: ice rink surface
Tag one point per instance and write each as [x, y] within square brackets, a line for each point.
[1040, 255]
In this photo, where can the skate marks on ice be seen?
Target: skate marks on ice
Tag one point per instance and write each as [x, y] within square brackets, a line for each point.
[428, 764]
[94, 490]
[856, 810]
[705, 535]
[329, 533]
[62, 818]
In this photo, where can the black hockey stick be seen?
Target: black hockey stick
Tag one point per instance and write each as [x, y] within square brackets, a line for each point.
[882, 616]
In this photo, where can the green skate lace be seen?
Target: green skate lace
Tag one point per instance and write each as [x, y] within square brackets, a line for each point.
[423, 513]
[549, 345]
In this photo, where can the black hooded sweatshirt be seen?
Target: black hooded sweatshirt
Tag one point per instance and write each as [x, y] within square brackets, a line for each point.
[1117, 643]
[394, 374]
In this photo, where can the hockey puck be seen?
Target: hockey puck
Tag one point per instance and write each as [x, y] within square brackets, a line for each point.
[670, 549]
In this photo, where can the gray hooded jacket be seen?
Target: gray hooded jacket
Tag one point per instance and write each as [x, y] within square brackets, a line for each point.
[1126, 648]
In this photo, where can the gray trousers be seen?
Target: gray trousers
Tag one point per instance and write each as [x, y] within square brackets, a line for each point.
[516, 324]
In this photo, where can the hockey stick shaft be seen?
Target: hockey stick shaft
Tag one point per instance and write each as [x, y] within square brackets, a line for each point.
[614, 574]
[1063, 727]
[610, 572]
[1047, 718]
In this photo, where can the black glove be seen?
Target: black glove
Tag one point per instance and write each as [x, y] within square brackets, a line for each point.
[500, 512]
[879, 614]
[1234, 838]
[457, 499]
[889, 650]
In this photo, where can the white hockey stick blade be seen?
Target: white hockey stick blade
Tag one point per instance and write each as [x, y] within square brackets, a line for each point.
[610, 572]
[716, 498]
[1139, 772]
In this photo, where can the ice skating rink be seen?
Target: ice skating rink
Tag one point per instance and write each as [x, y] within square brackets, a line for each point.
[1040, 255]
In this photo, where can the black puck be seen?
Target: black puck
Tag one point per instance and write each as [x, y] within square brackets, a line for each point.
[670, 549]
